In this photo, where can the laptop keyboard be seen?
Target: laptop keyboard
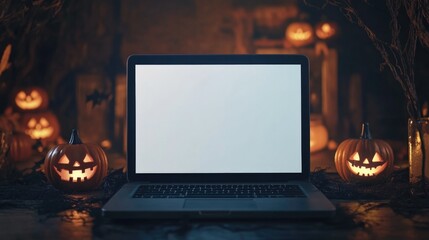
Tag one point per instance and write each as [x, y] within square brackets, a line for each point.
[219, 191]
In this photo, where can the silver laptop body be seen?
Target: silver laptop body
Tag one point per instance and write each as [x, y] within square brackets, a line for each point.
[218, 136]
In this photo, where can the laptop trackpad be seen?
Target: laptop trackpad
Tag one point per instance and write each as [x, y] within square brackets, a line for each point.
[219, 204]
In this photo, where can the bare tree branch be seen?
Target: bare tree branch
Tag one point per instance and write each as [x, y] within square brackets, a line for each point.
[398, 58]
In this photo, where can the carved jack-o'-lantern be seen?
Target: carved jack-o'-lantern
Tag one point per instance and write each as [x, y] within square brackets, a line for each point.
[30, 99]
[326, 30]
[364, 160]
[76, 166]
[41, 125]
[299, 34]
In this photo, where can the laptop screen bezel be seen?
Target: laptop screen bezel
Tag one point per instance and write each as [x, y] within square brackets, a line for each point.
[217, 59]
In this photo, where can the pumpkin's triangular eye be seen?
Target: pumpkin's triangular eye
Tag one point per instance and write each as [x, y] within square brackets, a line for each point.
[64, 160]
[34, 94]
[32, 123]
[44, 122]
[21, 95]
[355, 157]
[88, 158]
[377, 158]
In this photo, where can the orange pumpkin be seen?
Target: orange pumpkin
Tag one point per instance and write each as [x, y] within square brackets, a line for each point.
[326, 30]
[76, 166]
[41, 125]
[21, 147]
[299, 34]
[364, 160]
[30, 99]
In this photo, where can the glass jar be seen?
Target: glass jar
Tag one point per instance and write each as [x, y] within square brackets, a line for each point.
[417, 148]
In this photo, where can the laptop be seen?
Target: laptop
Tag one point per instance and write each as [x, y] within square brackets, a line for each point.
[218, 136]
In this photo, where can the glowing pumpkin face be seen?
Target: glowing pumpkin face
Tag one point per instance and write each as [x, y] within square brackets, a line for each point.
[364, 160]
[365, 167]
[299, 34]
[79, 171]
[42, 125]
[76, 166]
[30, 99]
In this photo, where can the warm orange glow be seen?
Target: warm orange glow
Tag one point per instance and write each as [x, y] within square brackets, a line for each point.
[88, 159]
[77, 218]
[30, 101]
[299, 34]
[64, 160]
[364, 159]
[318, 136]
[332, 145]
[355, 156]
[425, 109]
[326, 30]
[76, 175]
[366, 169]
[107, 144]
[377, 158]
[39, 129]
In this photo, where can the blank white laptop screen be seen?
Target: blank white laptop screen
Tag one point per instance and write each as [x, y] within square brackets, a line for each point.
[218, 118]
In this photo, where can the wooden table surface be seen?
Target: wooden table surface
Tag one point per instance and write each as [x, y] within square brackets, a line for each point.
[33, 210]
[354, 220]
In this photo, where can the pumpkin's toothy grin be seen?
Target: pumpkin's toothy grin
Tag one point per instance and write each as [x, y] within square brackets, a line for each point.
[365, 171]
[28, 103]
[76, 175]
[40, 132]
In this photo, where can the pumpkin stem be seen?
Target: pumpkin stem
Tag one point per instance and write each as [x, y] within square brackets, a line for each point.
[365, 134]
[74, 138]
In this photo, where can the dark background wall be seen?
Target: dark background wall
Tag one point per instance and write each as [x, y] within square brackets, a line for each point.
[96, 37]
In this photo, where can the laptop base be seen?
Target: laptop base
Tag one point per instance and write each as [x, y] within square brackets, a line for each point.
[123, 205]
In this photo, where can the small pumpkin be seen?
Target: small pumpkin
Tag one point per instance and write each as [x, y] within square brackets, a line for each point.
[364, 160]
[30, 99]
[21, 147]
[326, 30]
[76, 166]
[41, 125]
[299, 34]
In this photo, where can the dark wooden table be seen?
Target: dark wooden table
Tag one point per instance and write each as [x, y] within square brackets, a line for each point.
[354, 220]
[31, 209]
